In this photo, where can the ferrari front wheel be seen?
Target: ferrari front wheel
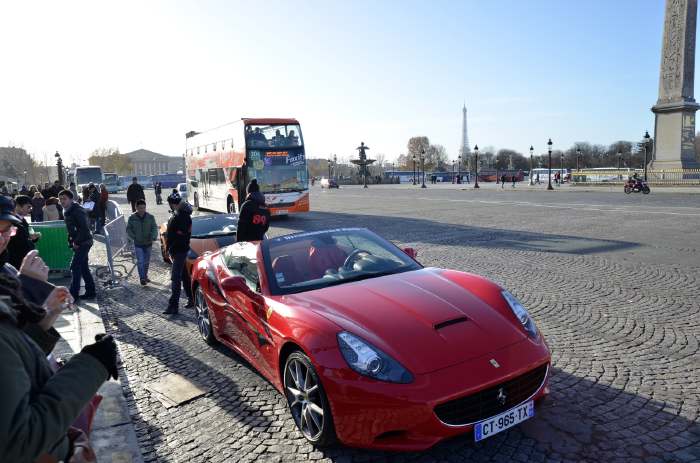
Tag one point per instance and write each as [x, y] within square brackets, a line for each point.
[307, 400]
[206, 331]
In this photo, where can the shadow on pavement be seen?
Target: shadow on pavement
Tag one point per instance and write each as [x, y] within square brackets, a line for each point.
[415, 230]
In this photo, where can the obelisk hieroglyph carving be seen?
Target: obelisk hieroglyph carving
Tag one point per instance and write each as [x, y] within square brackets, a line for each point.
[674, 131]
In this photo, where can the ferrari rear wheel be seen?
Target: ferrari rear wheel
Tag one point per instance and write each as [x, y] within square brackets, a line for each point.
[206, 331]
[307, 400]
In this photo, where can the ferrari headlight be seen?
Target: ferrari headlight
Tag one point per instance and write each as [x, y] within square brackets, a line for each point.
[520, 313]
[367, 360]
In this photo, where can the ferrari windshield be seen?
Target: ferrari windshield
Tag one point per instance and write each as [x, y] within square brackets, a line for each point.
[314, 260]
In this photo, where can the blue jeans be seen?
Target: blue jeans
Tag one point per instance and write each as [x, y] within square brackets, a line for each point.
[80, 269]
[143, 258]
[179, 278]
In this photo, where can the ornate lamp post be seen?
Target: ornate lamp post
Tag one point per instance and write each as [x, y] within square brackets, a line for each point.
[619, 164]
[646, 148]
[454, 179]
[59, 168]
[459, 167]
[476, 166]
[25, 178]
[422, 166]
[532, 179]
[329, 169]
[549, 177]
[414, 169]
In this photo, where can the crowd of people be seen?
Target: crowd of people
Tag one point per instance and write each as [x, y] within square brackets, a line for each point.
[46, 405]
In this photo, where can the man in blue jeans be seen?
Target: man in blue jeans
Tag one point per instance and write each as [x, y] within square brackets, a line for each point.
[143, 231]
[80, 240]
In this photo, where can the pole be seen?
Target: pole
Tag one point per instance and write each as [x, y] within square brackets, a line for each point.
[561, 169]
[646, 144]
[549, 177]
[476, 166]
[532, 181]
[414, 170]
[422, 167]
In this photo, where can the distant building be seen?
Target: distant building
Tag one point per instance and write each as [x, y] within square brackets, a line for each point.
[145, 162]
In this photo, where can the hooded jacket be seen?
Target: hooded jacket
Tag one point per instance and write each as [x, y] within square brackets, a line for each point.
[254, 219]
[37, 406]
[179, 230]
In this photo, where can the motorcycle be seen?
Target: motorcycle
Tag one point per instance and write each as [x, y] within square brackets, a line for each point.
[636, 186]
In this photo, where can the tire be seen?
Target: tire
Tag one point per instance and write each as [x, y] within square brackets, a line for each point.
[196, 201]
[628, 190]
[307, 400]
[230, 206]
[206, 330]
[646, 190]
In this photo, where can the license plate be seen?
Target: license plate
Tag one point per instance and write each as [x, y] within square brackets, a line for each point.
[280, 212]
[505, 420]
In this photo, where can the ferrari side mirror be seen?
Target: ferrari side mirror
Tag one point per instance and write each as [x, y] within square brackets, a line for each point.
[410, 252]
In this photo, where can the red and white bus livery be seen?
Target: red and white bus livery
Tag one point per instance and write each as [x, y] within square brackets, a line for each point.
[220, 162]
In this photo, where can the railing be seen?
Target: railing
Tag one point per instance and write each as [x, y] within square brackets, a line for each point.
[670, 177]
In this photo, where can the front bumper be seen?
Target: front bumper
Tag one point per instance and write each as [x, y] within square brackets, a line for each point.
[401, 417]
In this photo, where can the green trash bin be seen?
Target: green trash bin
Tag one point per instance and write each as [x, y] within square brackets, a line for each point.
[53, 245]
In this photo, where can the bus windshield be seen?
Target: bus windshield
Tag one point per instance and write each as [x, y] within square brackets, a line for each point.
[111, 179]
[85, 175]
[273, 136]
[278, 171]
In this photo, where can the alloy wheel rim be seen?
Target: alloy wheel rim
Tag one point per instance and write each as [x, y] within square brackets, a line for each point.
[304, 399]
[202, 315]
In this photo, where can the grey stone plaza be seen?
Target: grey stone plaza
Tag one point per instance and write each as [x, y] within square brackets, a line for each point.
[617, 305]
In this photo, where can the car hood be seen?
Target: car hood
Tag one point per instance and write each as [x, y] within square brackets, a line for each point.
[421, 318]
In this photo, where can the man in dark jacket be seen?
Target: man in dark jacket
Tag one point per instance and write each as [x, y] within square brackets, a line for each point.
[254, 219]
[80, 240]
[177, 237]
[24, 240]
[134, 193]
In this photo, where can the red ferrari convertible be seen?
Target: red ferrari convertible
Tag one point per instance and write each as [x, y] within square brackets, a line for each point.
[368, 346]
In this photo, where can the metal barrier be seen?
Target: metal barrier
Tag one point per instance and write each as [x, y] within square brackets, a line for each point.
[117, 243]
[669, 177]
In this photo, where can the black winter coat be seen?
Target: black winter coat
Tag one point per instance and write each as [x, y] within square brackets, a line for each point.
[254, 219]
[19, 245]
[135, 192]
[76, 219]
[179, 230]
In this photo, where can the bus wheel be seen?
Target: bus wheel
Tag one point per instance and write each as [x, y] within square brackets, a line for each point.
[230, 207]
[196, 201]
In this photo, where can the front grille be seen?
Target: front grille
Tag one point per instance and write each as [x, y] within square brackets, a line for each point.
[484, 404]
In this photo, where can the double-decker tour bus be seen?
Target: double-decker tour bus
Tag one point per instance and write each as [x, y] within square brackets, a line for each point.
[220, 162]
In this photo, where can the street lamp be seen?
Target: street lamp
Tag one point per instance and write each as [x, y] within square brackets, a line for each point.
[549, 151]
[646, 145]
[59, 167]
[25, 178]
[414, 169]
[329, 169]
[476, 166]
[619, 164]
[459, 167]
[532, 150]
[422, 166]
[454, 180]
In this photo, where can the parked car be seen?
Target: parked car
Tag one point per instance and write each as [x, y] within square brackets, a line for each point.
[367, 345]
[329, 183]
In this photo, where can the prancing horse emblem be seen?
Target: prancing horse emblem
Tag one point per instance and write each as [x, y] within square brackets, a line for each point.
[501, 397]
[494, 363]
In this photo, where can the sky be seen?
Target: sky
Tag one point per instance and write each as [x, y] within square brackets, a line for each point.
[82, 75]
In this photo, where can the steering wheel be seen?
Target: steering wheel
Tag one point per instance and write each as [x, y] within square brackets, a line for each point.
[352, 257]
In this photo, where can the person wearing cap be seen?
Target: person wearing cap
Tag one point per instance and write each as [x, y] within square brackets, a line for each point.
[177, 236]
[80, 240]
[254, 219]
[134, 193]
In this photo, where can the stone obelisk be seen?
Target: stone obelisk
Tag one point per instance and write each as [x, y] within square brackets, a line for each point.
[674, 131]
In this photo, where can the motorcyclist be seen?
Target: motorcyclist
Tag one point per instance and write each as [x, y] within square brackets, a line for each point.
[637, 181]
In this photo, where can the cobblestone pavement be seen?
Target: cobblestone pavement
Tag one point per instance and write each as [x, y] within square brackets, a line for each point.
[613, 286]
